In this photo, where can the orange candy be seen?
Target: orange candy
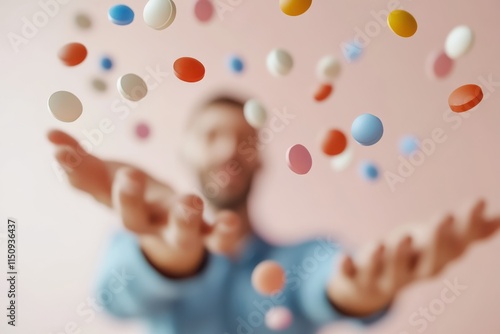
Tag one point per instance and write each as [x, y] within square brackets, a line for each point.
[189, 69]
[73, 54]
[268, 278]
[465, 98]
[334, 142]
[323, 92]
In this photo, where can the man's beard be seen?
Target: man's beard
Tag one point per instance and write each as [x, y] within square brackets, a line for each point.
[224, 202]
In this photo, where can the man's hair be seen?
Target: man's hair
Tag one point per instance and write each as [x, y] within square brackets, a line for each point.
[228, 99]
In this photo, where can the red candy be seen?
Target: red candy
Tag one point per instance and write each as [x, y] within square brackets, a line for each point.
[73, 54]
[189, 69]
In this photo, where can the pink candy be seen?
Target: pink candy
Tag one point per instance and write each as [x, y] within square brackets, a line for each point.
[299, 159]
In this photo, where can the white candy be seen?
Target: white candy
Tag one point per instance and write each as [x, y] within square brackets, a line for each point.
[342, 161]
[328, 68]
[65, 106]
[279, 62]
[159, 14]
[255, 113]
[459, 42]
[132, 87]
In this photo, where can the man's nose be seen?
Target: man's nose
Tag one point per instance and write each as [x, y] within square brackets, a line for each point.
[227, 148]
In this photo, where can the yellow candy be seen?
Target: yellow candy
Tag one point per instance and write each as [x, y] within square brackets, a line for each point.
[295, 7]
[402, 23]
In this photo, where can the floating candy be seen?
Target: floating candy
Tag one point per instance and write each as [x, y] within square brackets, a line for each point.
[352, 51]
[83, 21]
[367, 129]
[328, 68]
[159, 14]
[132, 87]
[369, 171]
[334, 142]
[73, 54]
[99, 85]
[142, 130]
[121, 15]
[106, 63]
[279, 318]
[255, 113]
[65, 106]
[295, 7]
[465, 98]
[408, 145]
[204, 10]
[440, 65]
[279, 62]
[402, 23]
[268, 278]
[323, 92]
[459, 42]
[189, 69]
[342, 161]
[299, 159]
[235, 64]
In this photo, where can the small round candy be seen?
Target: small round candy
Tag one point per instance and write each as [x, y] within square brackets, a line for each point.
[142, 130]
[106, 63]
[402, 23]
[255, 113]
[235, 64]
[189, 69]
[440, 65]
[279, 318]
[121, 15]
[342, 161]
[367, 129]
[299, 159]
[83, 21]
[328, 68]
[279, 62]
[159, 14]
[465, 98]
[65, 106]
[268, 278]
[459, 42]
[323, 92]
[73, 54]
[368, 171]
[132, 87]
[99, 85]
[408, 144]
[334, 142]
[295, 7]
[352, 51]
[204, 10]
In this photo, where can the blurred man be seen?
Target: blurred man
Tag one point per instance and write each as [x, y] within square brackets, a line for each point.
[189, 276]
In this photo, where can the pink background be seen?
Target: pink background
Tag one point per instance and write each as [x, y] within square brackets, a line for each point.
[63, 231]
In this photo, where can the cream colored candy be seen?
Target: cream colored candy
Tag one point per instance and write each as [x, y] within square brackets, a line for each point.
[65, 106]
[159, 14]
[459, 42]
[255, 113]
[328, 68]
[132, 87]
[279, 62]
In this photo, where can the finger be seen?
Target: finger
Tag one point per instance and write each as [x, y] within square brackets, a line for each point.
[128, 199]
[225, 235]
[399, 262]
[348, 267]
[186, 223]
[58, 137]
[376, 264]
[68, 158]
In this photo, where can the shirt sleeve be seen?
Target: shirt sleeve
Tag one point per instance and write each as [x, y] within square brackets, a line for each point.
[312, 296]
[129, 286]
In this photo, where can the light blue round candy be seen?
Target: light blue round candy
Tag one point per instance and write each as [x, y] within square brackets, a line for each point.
[408, 144]
[352, 51]
[368, 171]
[367, 129]
[106, 63]
[121, 15]
[235, 64]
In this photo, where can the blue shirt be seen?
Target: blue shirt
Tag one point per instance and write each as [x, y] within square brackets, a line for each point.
[221, 299]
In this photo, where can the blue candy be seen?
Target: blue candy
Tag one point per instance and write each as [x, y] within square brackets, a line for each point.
[121, 15]
[369, 171]
[106, 63]
[367, 129]
[235, 64]
[352, 51]
[408, 145]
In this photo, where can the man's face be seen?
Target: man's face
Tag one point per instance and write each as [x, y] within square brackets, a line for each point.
[221, 148]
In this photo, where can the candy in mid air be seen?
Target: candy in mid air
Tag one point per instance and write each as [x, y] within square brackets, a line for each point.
[159, 14]
[279, 62]
[65, 106]
[352, 51]
[465, 98]
[295, 7]
[106, 63]
[342, 161]
[268, 278]
[368, 171]
[235, 64]
[204, 10]
[299, 159]
[367, 129]
[132, 87]
[408, 144]
[83, 21]
[402, 23]
[323, 92]
[278, 318]
[328, 68]
[333, 142]
[189, 69]
[99, 85]
[142, 130]
[73, 54]
[121, 15]
[439, 65]
[459, 41]
[255, 113]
